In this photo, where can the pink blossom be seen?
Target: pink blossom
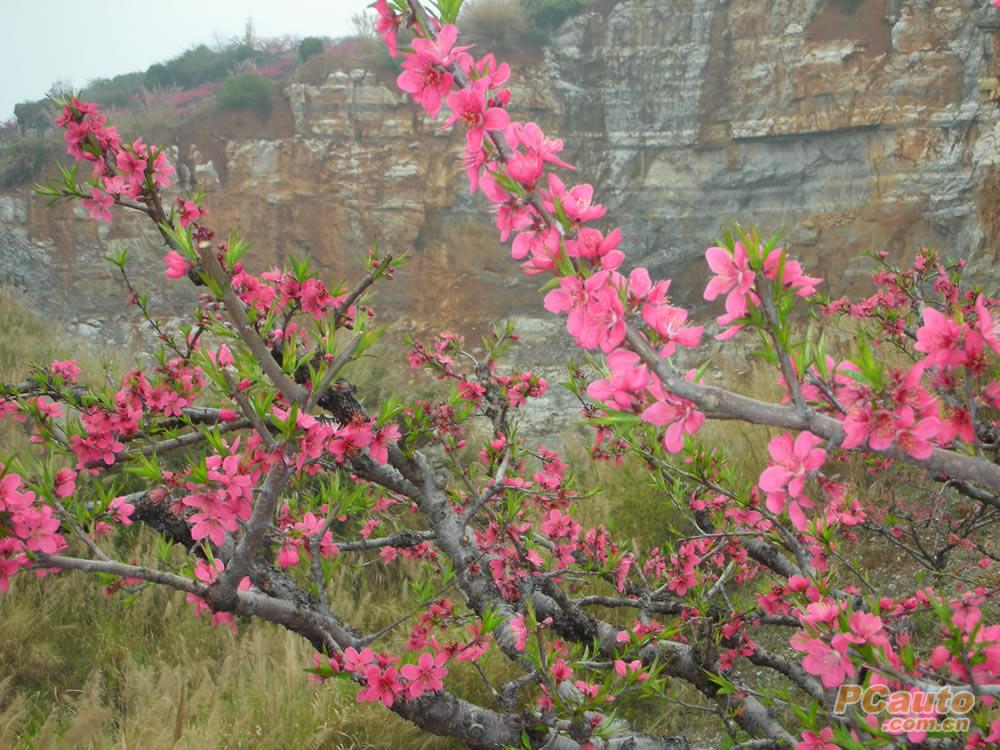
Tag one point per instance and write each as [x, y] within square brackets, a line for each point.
[902, 429]
[132, 166]
[121, 510]
[525, 168]
[866, 628]
[857, 426]
[425, 76]
[37, 527]
[12, 559]
[380, 686]
[530, 136]
[162, 171]
[189, 212]
[733, 276]
[427, 675]
[177, 265]
[577, 202]
[520, 631]
[381, 440]
[792, 463]
[288, 555]
[356, 661]
[792, 278]
[65, 482]
[633, 667]
[99, 205]
[596, 315]
[668, 321]
[824, 739]
[680, 414]
[469, 105]
[206, 526]
[67, 369]
[349, 440]
[940, 339]
[626, 384]
[830, 664]
[388, 24]
[593, 246]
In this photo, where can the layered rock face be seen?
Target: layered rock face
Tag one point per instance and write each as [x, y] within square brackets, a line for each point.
[870, 129]
[865, 130]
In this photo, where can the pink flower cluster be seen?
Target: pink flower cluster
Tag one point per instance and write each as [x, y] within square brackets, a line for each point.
[27, 524]
[207, 572]
[118, 170]
[735, 277]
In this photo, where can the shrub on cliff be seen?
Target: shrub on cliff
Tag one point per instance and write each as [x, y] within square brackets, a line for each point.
[36, 115]
[115, 92]
[549, 14]
[499, 25]
[248, 92]
[848, 6]
[311, 45]
[24, 157]
[199, 65]
[347, 55]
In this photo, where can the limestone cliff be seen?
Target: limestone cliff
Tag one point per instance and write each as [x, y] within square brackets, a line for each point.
[875, 129]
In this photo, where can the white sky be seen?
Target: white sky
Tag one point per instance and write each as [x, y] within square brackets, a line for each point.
[43, 41]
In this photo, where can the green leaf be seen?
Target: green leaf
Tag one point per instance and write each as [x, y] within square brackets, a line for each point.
[237, 248]
[448, 10]
[725, 686]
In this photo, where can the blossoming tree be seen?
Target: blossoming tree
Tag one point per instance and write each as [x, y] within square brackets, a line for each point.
[246, 450]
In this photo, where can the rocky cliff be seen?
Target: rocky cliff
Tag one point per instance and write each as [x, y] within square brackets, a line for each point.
[871, 129]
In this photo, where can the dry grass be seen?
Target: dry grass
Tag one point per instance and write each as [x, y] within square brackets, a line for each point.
[87, 671]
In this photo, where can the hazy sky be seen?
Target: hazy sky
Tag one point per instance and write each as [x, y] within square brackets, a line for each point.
[43, 41]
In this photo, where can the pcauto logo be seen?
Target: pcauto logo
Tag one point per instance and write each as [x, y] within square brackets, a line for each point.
[942, 710]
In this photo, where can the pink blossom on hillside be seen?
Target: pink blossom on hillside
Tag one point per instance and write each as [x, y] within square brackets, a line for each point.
[177, 265]
[12, 559]
[792, 462]
[162, 171]
[733, 277]
[189, 212]
[388, 25]
[426, 676]
[830, 663]
[681, 416]
[577, 202]
[425, 76]
[792, 277]
[67, 369]
[37, 527]
[590, 244]
[940, 339]
[531, 137]
[380, 686]
[469, 106]
[98, 205]
[121, 510]
[131, 165]
[520, 631]
[626, 383]
[65, 482]
[823, 740]
[596, 315]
